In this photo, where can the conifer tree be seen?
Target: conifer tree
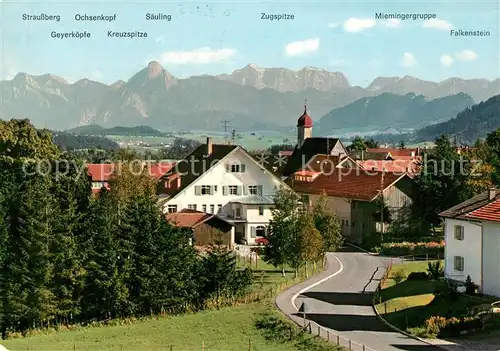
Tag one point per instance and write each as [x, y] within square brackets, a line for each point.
[26, 272]
[105, 294]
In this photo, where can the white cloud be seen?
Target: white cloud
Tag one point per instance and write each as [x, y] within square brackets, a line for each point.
[338, 62]
[297, 48]
[355, 25]
[203, 55]
[466, 55]
[333, 25]
[446, 60]
[437, 24]
[408, 60]
[392, 23]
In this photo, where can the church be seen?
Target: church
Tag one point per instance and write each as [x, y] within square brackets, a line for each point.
[309, 147]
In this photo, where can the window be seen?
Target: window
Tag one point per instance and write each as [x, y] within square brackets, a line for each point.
[236, 168]
[237, 212]
[192, 207]
[212, 208]
[206, 189]
[252, 189]
[233, 190]
[204, 208]
[260, 231]
[219, 208]
[203, 190]
[261, 210]
[172, 208]
[459, 232]
[459, 263]
[98, 184]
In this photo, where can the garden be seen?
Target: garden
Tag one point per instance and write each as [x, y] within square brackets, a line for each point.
[416, 298]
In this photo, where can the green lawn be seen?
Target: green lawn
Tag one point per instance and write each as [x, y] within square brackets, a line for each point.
[226, 329]
[408, 304]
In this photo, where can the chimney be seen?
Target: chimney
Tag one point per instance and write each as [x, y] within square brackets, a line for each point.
[178, 182]
[492, 193]
[418, 151]
[209, 146]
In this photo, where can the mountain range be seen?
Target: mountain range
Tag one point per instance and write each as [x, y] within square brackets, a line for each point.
[469, 125]
[250, 98]
[397, 111]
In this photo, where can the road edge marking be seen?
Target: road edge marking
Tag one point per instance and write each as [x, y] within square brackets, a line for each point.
[294, 297]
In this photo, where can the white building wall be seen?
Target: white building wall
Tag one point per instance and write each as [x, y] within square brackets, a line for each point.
[491, 258]
[469, 248]
[220, 177]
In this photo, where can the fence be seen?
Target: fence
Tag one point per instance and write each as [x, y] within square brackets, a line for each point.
[315, 329]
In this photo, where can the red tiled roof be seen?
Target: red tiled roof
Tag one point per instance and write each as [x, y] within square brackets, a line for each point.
[101, 172]
[489, 212]
[400, 166]
[158, 170]
[352, 184]
[395, 152]
[187, 219]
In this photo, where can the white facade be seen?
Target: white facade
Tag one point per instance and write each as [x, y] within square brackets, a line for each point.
[462, 252]
[237, 189]
[491, 258]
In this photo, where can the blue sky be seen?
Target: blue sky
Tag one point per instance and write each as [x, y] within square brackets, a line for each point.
[214, 38]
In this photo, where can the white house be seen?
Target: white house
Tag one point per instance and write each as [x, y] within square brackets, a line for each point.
[223, 180]
[472, 237]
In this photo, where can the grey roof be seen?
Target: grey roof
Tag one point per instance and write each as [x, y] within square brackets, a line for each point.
[310, 148]
[459, 211]
[254, 200]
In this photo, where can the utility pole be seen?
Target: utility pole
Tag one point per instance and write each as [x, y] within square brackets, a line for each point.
[226, 125]
[233, 136]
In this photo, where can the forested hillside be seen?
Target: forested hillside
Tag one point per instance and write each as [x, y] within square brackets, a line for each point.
[469, 125]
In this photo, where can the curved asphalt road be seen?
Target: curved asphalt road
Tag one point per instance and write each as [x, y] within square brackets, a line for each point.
[340, 300]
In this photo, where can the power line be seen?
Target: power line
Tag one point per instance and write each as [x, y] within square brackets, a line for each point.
[226, 126]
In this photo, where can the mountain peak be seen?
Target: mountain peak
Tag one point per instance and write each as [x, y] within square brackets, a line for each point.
[154, 69]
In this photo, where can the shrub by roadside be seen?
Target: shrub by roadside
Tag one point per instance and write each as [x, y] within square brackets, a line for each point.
[408, 248]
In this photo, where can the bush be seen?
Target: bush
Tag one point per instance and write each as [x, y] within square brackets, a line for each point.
[398, 276]
[449, 327]
[407, 248]
[435, 270]
[470, 287]
[446, 289]
[417, 276]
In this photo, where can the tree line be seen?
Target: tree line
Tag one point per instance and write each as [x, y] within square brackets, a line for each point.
[68, 257]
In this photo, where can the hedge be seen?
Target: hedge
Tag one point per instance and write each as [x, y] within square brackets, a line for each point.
[413, 249]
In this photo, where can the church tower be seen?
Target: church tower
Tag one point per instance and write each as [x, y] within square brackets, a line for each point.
[304, 127]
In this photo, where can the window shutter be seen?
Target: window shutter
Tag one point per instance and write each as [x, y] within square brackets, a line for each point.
[212, 190]
[228, 167]
[197, 190]
[259, 190]
[224, 190]
[245, 190]
[243, 167]
[239, 189]
[253, 232]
